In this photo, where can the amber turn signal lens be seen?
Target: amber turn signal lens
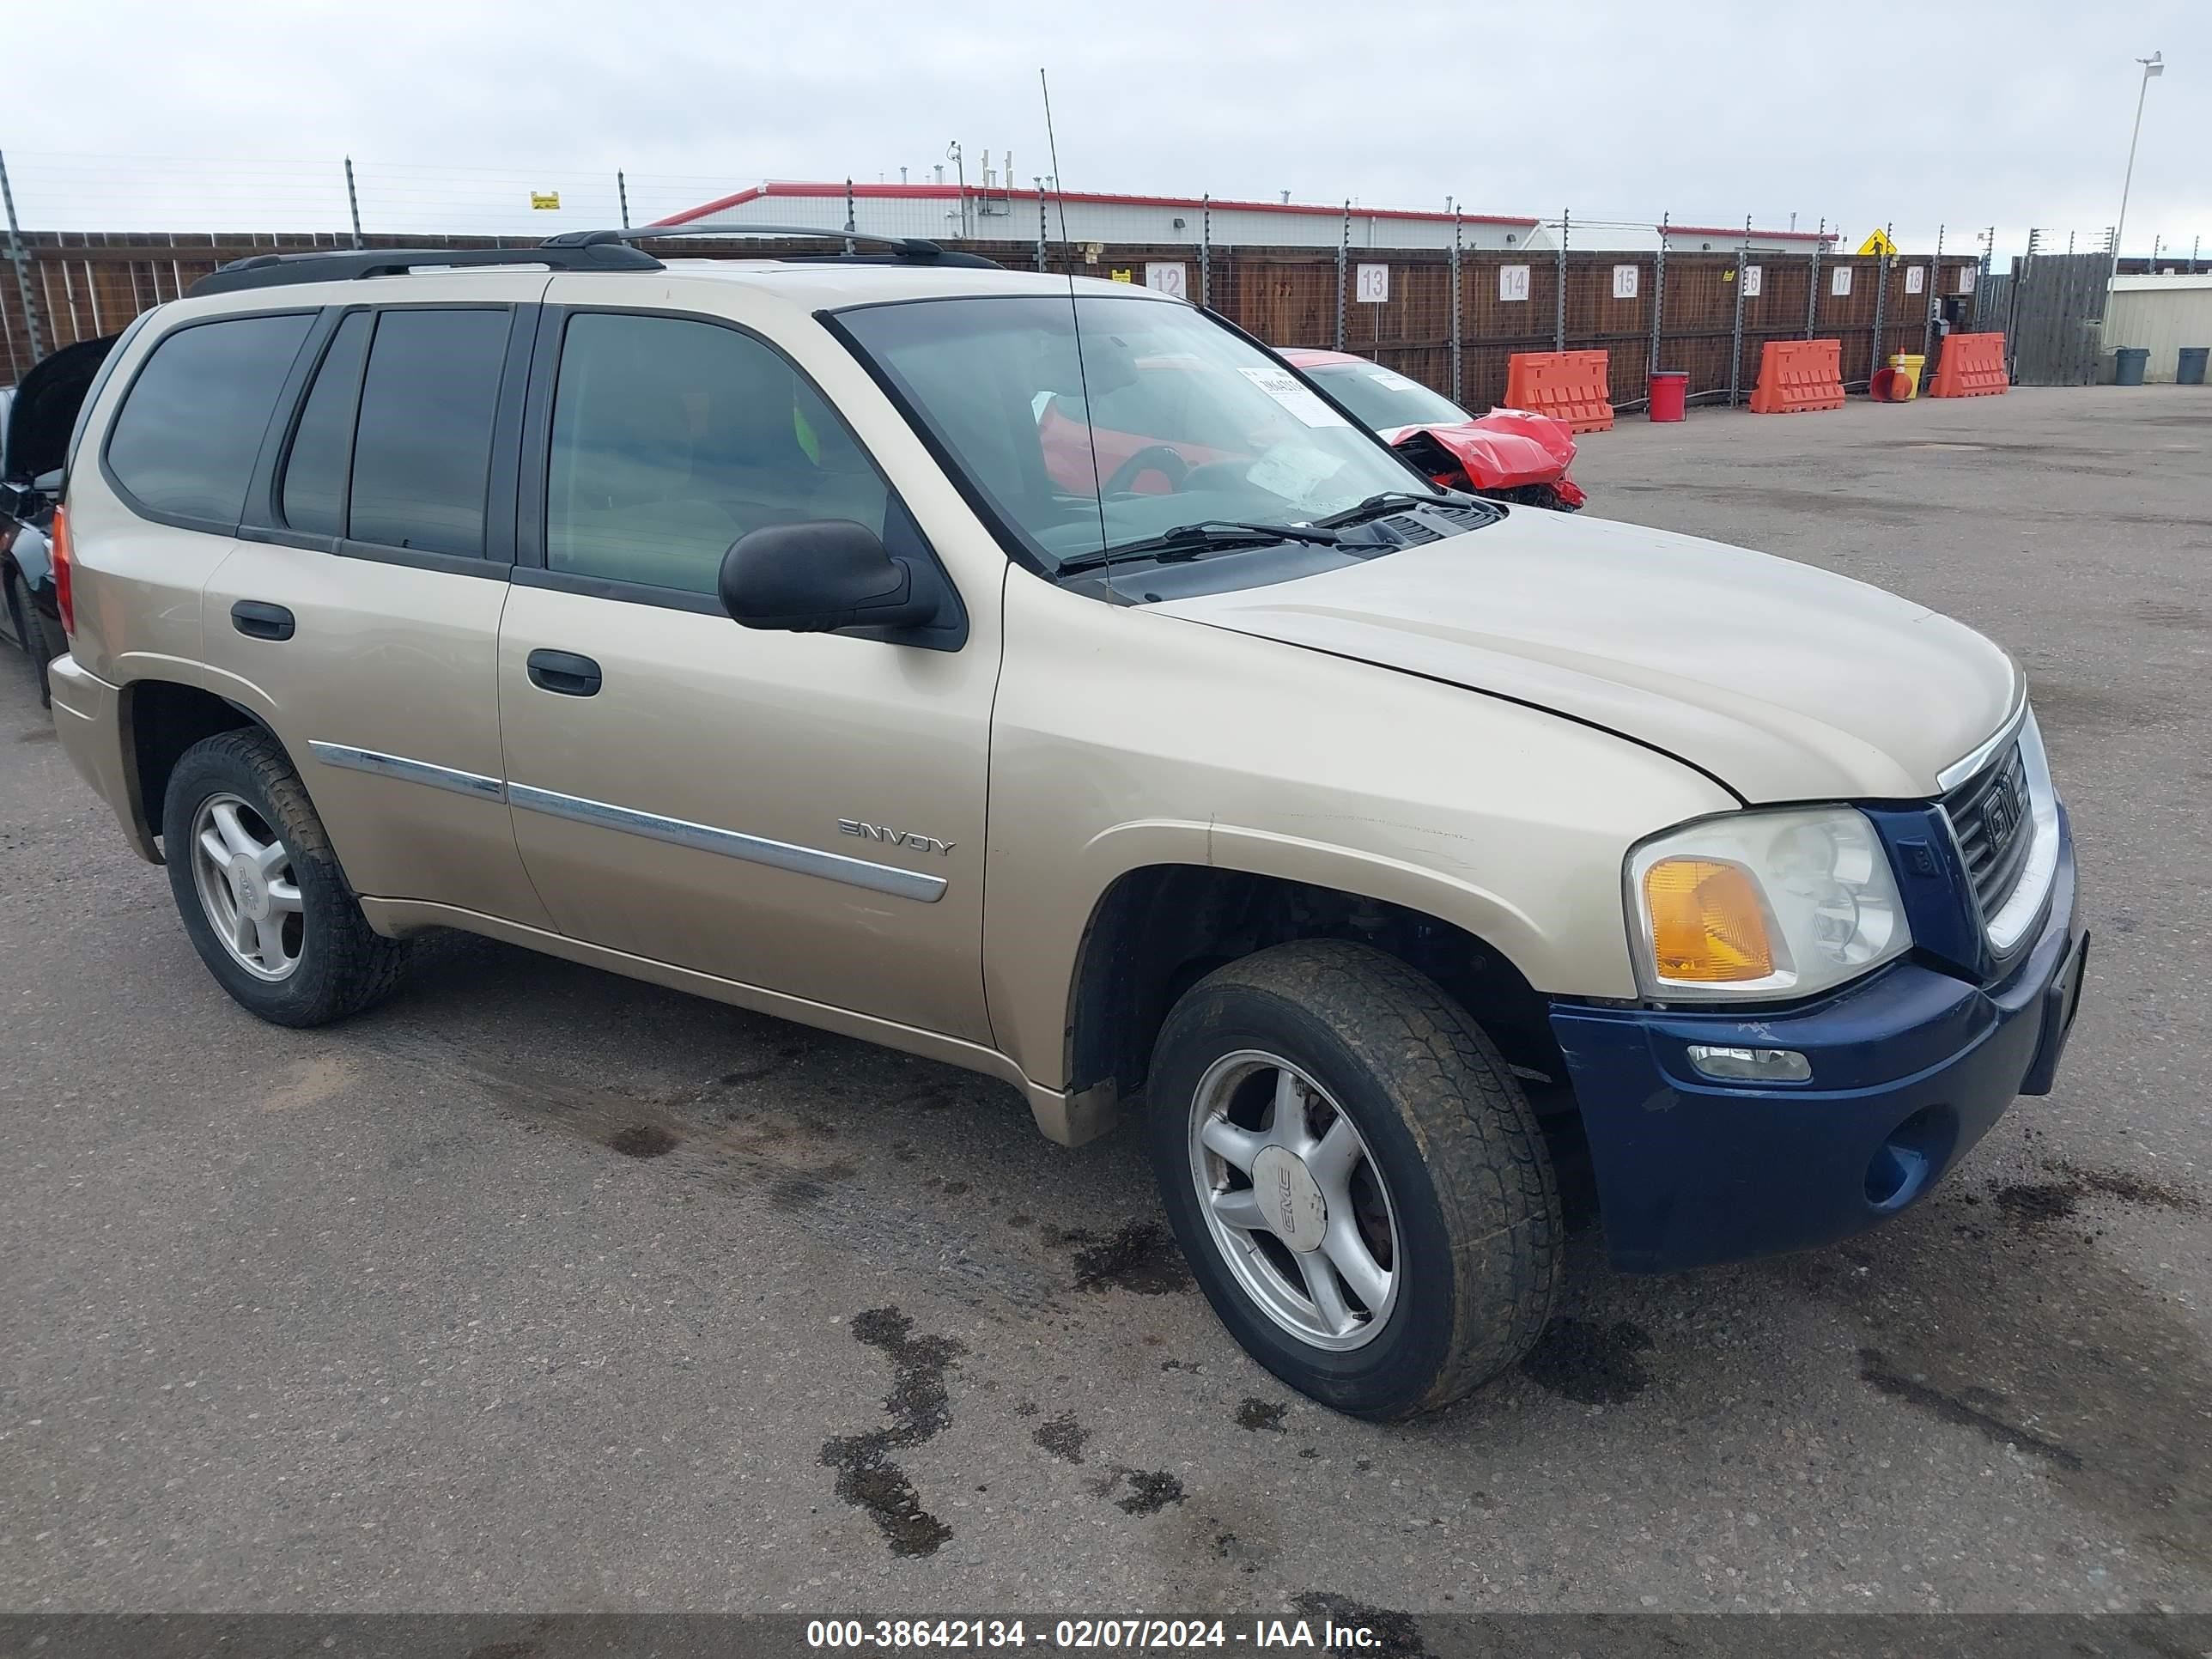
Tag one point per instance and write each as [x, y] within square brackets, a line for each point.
[1707, 923]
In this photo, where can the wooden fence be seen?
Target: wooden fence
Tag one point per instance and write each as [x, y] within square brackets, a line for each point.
[1713, 311]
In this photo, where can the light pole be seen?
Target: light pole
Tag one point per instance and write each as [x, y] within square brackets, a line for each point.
[2153, 64]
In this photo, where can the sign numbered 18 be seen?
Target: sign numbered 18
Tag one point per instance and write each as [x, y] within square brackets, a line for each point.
[1373, 285]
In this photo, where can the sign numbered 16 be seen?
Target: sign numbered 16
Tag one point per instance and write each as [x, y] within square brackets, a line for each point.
[1373, 285]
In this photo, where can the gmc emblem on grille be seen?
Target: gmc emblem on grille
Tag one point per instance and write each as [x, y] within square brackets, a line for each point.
[2001, 813]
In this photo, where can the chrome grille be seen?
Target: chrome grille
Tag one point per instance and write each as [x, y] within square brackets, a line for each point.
[1989, 814]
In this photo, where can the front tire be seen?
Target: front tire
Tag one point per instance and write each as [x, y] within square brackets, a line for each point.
[260, 890]
[1356, 1178]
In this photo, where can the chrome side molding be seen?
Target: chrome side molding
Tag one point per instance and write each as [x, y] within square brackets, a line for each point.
[730, 843]
[408, 771]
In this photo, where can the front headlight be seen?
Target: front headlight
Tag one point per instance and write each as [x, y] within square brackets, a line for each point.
[1762, 905]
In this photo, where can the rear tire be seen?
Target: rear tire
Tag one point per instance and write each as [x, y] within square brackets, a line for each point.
[1448, 1225]
[260, 890]
[23, 621]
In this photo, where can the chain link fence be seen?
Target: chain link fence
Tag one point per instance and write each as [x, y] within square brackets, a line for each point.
[1450, 317]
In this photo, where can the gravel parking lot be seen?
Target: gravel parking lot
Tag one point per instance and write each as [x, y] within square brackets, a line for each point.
[538, 1289]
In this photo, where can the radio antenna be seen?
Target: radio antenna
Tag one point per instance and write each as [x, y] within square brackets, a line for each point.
[1074, 315]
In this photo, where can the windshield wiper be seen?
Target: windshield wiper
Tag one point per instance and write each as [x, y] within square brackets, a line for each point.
[1375, 506]
[1189, 541]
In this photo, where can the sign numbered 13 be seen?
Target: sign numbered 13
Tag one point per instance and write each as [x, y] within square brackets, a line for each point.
[1373, 285]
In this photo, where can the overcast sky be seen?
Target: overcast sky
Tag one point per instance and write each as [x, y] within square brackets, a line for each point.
[2014, 113]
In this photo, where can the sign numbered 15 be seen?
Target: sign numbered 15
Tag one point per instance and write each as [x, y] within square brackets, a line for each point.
[1372, 286]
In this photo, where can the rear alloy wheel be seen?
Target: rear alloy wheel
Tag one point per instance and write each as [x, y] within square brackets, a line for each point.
[246, 888]
[260, 890]
[1355, 1176]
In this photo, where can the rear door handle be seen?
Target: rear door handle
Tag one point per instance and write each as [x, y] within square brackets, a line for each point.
[566, 672]
[260, 621]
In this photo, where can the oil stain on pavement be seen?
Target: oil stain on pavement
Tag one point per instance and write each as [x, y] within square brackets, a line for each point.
[1063, 1437]
[920, 1408]
[1142, 1257]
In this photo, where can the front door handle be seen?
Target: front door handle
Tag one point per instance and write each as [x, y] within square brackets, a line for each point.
[260, 621]
[566, 672]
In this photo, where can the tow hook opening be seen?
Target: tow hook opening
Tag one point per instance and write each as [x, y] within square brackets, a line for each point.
[1907, 1162]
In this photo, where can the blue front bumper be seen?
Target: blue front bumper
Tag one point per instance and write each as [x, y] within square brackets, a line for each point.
[1911, 1066]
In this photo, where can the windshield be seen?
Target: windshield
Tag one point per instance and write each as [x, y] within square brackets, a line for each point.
[1185, 421]
[1386, 400]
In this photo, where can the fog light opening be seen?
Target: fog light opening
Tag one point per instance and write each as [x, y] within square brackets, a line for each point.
[1751, 1065]
[1907, 1162]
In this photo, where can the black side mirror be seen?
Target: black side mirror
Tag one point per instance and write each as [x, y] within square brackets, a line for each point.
[818, 576]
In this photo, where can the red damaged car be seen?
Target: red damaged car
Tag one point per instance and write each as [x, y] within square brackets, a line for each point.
[1509, 454]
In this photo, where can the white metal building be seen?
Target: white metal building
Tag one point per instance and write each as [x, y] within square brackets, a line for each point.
[2159, 313]
[954, 211]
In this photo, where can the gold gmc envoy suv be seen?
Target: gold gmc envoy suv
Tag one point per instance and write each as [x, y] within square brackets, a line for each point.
[1039, 674]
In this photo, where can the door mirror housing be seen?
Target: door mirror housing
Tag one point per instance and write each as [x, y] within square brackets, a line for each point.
[819, 576]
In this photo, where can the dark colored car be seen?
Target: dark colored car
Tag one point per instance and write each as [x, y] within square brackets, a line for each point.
[35, 423]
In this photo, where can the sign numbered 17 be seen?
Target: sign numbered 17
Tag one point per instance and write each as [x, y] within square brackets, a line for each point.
[1373, 285]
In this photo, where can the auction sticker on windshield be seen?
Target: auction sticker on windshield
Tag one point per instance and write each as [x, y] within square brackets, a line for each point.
[1282, 387]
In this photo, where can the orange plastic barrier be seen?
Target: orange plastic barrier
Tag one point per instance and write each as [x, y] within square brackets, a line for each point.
[1795, 376]
[1570, 386]
[1972, 366]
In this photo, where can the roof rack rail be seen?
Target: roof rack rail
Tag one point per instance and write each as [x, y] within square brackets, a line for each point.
[903, 249]
[343, 265]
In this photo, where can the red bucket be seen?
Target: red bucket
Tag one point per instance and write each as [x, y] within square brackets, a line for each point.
[1670, 392]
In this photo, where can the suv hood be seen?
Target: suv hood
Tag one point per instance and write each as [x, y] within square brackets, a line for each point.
[1784, 682]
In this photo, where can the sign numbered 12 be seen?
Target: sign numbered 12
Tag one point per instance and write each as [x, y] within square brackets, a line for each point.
[1373, 285]
[1168, 278]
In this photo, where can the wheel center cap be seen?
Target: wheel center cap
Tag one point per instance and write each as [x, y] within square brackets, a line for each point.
[253, 891]
[1290, 1198]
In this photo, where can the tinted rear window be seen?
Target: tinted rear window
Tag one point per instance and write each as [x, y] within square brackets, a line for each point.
[188, 433]
[423, 445]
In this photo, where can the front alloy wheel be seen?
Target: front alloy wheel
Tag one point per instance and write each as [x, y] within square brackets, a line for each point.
[1354, 1176]
[1294, 1199]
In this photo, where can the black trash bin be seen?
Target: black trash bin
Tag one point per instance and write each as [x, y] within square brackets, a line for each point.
[2129, 363]
[2189, 370]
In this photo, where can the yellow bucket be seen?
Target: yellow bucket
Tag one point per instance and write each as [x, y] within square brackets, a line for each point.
[1909, 364]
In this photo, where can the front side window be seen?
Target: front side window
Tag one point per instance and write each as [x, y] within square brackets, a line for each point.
[422, 450]
[672, 439]
[192, 427]
[1152, 417]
